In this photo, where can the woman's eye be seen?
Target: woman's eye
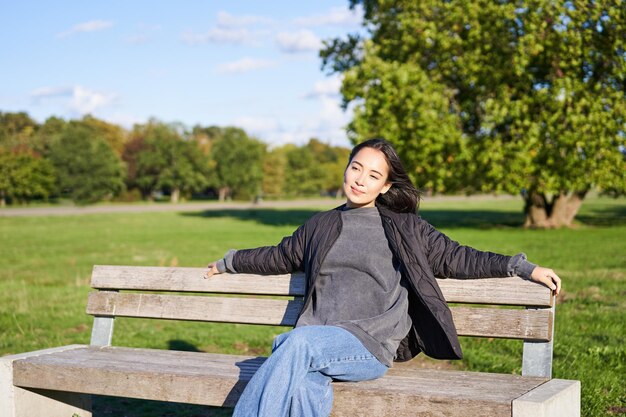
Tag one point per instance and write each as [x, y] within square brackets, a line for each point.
[355, 168]
[374, 177]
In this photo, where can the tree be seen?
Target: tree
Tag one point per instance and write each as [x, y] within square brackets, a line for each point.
[46, 134]
[16, 129]
[494, 96]
[274, 171]
[88, 169]
[162, 160]
[238, 163]
[113, 134]
[333, 161]
[304, 175]
[24, 176]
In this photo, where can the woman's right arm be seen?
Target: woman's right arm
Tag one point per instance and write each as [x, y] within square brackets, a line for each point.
[283, 258]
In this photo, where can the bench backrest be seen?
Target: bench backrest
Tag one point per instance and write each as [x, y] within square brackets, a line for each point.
[154, 292]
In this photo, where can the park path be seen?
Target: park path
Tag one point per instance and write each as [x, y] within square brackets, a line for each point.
[200, 206]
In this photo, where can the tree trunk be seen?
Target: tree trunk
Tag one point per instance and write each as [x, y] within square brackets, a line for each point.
[223, 193]
[3, 201]
[339, 193]
[175, 196]
[559, 212]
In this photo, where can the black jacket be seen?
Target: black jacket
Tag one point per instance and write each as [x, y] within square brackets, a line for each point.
[423, 253]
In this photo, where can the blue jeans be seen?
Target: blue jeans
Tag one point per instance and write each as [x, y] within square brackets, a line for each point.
[296, 379]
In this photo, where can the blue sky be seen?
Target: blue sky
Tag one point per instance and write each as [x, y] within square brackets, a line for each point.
[245, 63]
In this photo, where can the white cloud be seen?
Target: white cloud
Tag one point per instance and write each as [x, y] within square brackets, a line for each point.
[337, 16]
[51, 92]
[257, 126]
[91, 26]
[301, 41]
[328, 125]
[225, 19]
[331, 116]
[328, 87]
[219, 35]
[87, 101]
[244, 65]
[79, 99]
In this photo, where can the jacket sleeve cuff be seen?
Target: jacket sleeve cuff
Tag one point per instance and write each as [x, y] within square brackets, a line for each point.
[518, 265]
[228, 261]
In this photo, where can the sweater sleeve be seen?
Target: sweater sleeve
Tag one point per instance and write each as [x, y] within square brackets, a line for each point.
[518, 265]
[226, 263]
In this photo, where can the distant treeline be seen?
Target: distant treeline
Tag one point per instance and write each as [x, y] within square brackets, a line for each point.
[91, 160]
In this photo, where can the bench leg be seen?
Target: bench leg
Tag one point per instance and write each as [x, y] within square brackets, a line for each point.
[555, 398]
[22, 402]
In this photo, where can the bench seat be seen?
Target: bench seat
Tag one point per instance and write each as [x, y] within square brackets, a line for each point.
[218, 380]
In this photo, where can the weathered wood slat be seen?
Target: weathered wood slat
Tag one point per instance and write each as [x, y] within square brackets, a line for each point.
[503, 323]
[195, 308]
[504, 291]
[486, 322]
[508, 291]
[218, 380]
[192, 280]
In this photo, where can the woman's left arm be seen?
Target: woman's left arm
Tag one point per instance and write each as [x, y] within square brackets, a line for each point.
[449, 259]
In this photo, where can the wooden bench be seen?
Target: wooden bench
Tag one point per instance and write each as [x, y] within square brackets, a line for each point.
[59, 381]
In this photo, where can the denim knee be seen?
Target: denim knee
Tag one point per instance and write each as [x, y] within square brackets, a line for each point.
[300, 337]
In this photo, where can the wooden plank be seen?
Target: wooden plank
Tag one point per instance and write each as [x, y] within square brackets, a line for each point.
[533, 324]
[192, 280]
[215, 379]
[508, 291]
[485, 322]
[195, 308]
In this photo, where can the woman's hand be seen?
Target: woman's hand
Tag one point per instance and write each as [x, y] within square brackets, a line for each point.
[212, 270]
[547, 277]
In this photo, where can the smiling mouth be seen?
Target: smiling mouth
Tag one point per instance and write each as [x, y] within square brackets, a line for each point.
[355, 191]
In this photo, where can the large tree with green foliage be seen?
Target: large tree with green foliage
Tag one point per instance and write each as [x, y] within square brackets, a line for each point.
[88, 169]
[238, 163]
[507, 96]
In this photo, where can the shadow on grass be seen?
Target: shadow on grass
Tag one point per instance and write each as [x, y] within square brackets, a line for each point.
[480, 219]
[177, 344]
[449, 219]
[267, 216]
[473, 219]
[603, 216]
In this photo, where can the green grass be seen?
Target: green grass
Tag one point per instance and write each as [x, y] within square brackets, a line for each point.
[46, 265]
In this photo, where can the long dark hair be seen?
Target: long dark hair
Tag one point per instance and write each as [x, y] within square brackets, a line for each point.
[402, 197]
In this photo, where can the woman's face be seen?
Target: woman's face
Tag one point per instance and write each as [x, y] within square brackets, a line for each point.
[366, 177]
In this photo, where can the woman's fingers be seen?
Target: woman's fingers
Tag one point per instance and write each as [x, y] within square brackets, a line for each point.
[212, 270]
[548, 277]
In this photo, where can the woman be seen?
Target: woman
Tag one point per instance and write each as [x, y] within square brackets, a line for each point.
[372, 297]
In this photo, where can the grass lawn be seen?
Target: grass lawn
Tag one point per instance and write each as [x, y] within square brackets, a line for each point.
[46, 264]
